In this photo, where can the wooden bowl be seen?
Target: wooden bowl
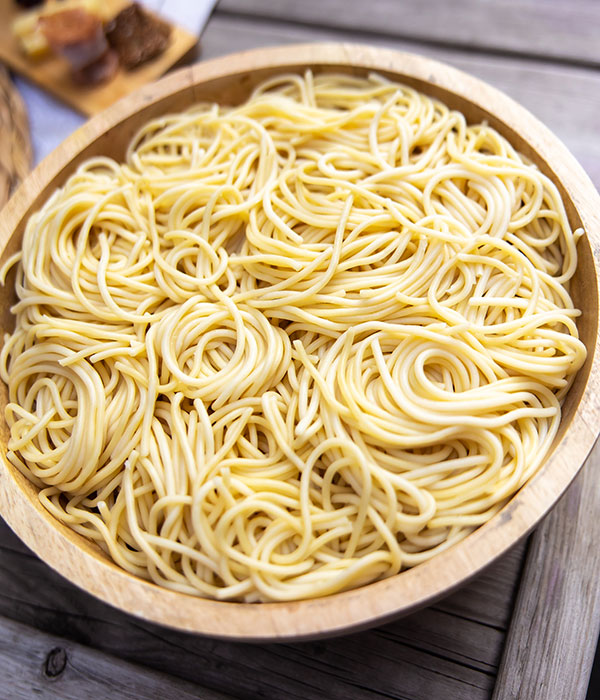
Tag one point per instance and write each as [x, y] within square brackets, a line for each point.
[228, 81]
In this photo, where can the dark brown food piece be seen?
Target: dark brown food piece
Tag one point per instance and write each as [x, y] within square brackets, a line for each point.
[101, 70]
[29, 3]
[137, 36]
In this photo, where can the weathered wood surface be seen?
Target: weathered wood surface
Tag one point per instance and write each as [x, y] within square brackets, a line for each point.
[451, 649]
[35, 664]
[556, 619]
[556, 29]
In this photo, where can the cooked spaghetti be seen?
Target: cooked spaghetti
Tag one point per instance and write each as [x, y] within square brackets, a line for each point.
[295, 346]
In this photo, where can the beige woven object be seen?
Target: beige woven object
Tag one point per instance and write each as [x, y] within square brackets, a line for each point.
[15, 144]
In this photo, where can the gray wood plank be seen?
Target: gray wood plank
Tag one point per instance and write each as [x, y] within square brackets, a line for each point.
[36, 664]
[565, 98]
[552, 640]
[489, 599]
[445, 649]
[556, 29]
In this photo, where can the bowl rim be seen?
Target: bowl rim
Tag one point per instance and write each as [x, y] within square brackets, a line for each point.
[82, 564]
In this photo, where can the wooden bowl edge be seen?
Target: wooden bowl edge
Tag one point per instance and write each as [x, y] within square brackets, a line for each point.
[377, 602]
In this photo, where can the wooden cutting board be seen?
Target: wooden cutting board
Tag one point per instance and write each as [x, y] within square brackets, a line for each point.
[52, 72]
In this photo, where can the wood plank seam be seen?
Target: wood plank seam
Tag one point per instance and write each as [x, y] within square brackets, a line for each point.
[549, 650]
[563, 32]
[365, 35]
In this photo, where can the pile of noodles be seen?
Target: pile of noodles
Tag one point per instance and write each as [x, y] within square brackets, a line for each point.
[295, 346]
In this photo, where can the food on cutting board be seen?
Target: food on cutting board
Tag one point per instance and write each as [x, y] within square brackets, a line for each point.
[28, 30]
[78, 36]
[93, 44]
[137, 36]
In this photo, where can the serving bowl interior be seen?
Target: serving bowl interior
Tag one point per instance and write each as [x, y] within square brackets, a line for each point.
[229, 81]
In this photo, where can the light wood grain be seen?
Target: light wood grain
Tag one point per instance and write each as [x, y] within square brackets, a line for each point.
[35, 664]
[229, 80]
[555, 623]
[552, 28]
[566, 98]
[52, 72]
[452, 649]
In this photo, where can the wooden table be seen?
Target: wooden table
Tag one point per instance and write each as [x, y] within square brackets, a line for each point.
[527, 627]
